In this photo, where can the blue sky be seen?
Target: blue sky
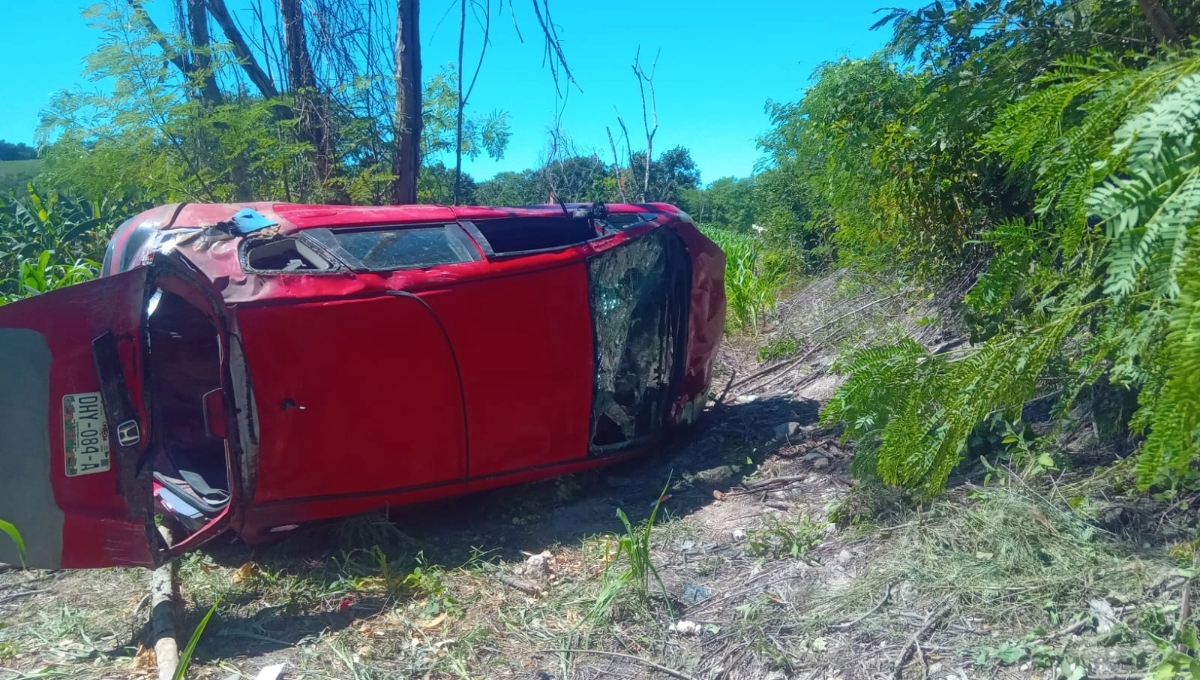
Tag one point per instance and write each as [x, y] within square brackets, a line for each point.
[719, 62]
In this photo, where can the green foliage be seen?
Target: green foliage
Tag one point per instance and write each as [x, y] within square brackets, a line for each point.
[48, 241]
[15, 535]
[1106, 282]
[145, 135]
[753, 277]
[16, 152]
[634, 546]
[185, 658]
[782, 538]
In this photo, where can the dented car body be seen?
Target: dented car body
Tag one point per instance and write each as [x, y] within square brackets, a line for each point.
[251, 368]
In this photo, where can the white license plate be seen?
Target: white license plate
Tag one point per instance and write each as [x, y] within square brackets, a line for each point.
[85, 434]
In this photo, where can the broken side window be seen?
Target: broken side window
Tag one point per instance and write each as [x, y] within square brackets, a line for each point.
[398, 247]
[639, 294]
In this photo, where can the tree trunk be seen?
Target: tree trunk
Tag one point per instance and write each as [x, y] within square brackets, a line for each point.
[197, 16]
[310, 103]
[1160, 21]
[406, 159]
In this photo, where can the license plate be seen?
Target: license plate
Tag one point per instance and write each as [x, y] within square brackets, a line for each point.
[85, 434]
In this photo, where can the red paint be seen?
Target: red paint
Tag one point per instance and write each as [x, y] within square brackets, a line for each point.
[524, 346]
[371, 389]
[353, 397]
[98, 529]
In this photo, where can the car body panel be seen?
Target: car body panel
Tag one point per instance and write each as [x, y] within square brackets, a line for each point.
[354, 397]
[524, 348]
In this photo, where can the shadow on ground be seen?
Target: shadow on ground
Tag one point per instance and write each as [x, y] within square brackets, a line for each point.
[501, 525]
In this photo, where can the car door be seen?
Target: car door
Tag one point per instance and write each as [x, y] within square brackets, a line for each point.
[356, 399]
[71, 426]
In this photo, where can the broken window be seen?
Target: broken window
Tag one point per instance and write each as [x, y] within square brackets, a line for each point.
[639, 295]
[398, 247]
[284, 255]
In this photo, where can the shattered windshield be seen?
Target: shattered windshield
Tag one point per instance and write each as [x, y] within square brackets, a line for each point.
[639, 295]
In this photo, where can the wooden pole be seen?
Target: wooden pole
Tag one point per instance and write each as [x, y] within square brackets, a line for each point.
[162, 615]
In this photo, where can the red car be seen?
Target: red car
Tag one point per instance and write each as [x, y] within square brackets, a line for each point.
[251, 368]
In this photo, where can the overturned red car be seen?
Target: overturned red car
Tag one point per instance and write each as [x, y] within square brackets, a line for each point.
[251, 368]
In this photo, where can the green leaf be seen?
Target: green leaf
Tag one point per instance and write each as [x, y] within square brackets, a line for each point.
[15, 535]
[1010, 653]
[185, 659]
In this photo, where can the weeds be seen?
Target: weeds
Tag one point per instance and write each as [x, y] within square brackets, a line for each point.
[778, 348]
[185, 659]
[779, 538]
[635, 546]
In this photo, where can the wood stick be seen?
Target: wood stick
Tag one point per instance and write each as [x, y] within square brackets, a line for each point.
[887, 592]
[647, 662]
[930, 622]
[162, 615]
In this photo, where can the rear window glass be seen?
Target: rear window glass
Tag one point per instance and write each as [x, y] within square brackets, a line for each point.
[401, 248]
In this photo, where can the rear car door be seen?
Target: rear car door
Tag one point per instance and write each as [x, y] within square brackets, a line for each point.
[71, 426]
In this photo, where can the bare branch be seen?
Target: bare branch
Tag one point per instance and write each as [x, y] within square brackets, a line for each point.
[179, 60]
[616, 164]
[240, 50]
[646, 81]
[554, 57]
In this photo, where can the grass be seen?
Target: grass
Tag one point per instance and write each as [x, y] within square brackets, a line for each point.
[1010, 554]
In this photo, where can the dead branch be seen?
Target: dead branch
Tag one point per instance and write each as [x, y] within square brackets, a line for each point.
[646, 81]
[554, 57]
[17, 596]
[616, 164]
[887, 592]
[931, 622]
[630, 657]
[162, 615]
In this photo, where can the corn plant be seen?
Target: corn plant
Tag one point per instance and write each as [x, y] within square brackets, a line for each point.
[15, 535]
[48, 241]
[635, 546]
[185, 659]
[753, 277]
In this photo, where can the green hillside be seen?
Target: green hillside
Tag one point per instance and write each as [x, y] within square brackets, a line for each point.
[14, 175]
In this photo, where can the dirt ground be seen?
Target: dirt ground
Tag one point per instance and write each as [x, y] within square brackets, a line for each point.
[771, 562]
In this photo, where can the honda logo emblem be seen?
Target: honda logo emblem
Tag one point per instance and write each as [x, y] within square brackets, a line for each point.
[128, 433]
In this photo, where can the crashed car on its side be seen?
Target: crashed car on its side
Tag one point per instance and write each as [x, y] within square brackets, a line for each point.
[251, 368]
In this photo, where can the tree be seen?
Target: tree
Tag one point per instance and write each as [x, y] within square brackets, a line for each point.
[510, 188]
[16, 152]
